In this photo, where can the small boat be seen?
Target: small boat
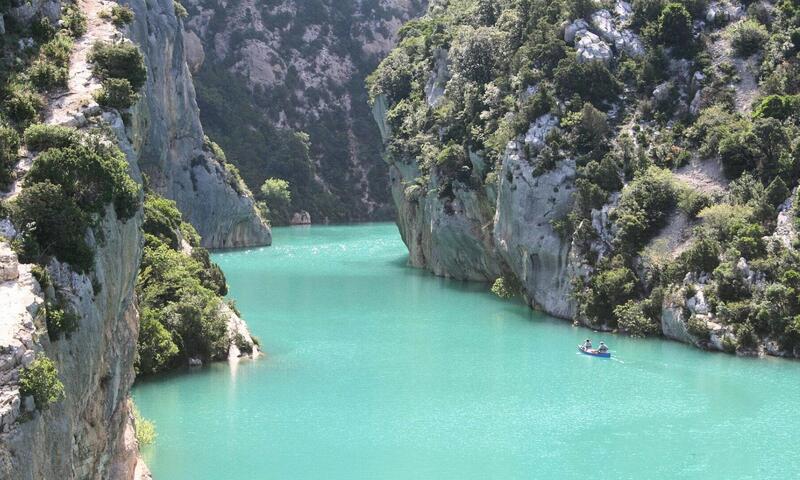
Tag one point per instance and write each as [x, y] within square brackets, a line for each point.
[593, 353]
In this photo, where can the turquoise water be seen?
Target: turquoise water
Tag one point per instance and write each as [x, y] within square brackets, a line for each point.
[378, 371]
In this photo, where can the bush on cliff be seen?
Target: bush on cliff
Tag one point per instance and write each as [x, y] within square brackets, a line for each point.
[119, 60]
[94, 174]
[41, 136]
[643, 208]
[179, 293]
[633, 320]
[40, 379]
[60, 322]
[9, 146]
[747, 37]
[51, 224]
[277, 196]
[116, 93]
[155, 348]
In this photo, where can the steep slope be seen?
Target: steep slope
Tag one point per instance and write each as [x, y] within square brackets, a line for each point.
[168, 138]
[270, 72]
[625, 165]
[71, 221]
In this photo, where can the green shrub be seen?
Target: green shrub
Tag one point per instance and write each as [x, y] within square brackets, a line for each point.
[73, 20]
[51, 223]
[777, 192]
[643, 208]
[632, 319]
[646, 11]
[691, 201]
[702, 255]
[580, 8]
[474, 53]
[155, 349]
[698, 327]
[94, 175]
[116, 93]
[507, 286]
[121, 15]
[211, 275]
[9, 147]
[613, 284]
[393, 77]
[215, 149]
[276, 194]
[747, 37]
[780, 107]
[41, 136]
[180, 10]
[675, 26]
[592, 81]
[162, 219]
[145, 429]
[119, 60]
[46, 76]
[59, 322]
[57, 50]
[40, 379]
[591, 130]
[23, 105]
[169, 284]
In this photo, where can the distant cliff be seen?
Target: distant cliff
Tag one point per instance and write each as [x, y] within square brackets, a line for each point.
[280, 86]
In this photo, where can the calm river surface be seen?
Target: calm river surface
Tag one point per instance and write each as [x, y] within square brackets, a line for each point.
[375, 370]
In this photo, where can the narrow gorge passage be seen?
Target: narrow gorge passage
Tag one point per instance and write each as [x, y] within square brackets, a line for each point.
[377, 370]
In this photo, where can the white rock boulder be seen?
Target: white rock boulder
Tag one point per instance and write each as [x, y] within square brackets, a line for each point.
[591, 48]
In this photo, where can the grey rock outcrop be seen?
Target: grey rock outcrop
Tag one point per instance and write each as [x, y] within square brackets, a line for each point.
[524, 236]
[435, 86]
[301, 218]
[591, 48]
[168, 138]
[9, 266]
[452, 236]
[624, 40]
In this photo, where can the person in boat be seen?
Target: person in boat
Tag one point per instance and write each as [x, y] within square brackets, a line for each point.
[587, 345]
[603, 348]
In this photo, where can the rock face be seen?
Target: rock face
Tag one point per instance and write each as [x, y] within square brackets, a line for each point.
[524, 236]
[83, 435]
[481, 233]
[89, 433]
[299, 66]
[169, 140]
[301, 218]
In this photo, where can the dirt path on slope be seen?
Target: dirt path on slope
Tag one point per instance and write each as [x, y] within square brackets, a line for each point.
[82, 85]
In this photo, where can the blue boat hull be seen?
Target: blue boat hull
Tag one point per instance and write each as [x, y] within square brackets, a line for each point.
[592, 353]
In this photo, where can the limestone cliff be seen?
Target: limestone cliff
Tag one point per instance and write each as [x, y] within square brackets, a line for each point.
[168, 138]
[88, 432]
[84, 435]
[587, 155]
[267, 69]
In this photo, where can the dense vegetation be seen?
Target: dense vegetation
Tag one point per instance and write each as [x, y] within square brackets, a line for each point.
[179, 291]
[628, 125]
[66, 192]
[33, 61]
[40, 380]
[121, 68]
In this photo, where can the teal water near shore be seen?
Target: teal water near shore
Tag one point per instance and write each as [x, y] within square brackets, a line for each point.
[374, 370]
